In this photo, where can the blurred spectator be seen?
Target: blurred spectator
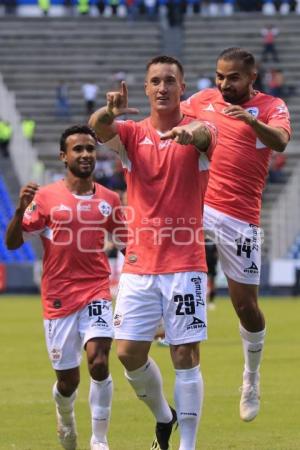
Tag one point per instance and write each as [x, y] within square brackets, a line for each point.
[150, 9]
[103, 170]
[204, 82]
[175, 13]
[101, 6]
[248, 6]
[110, 173]
[191, 7]
[83, 6]
[116, 79]
[132, 9]
[215, 8]
[5, 137]
[268, 7]
[44, 6]
[277, 163]
[297, 7]
[10, 6]
[274, 81]
[28, 128]
[229, 7]
[62, 100]
[69, 7]
[285, 7]
[90, 91]
[269, 34]
[117, 180]
[114, 4]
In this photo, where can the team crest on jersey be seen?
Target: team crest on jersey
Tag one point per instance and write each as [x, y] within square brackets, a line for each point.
[105, 208]
[254, 111]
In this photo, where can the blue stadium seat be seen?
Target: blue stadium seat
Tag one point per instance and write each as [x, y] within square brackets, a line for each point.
[24, 253]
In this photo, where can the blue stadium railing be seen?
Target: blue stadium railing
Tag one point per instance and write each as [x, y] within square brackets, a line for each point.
[22, 254]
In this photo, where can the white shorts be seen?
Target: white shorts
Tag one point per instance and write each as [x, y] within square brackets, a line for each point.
[238, 244]
[178, 298]
[67, 336]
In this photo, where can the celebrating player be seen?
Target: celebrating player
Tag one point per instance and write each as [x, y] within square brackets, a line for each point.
[164, 274]
[249, 124]
[72, 218]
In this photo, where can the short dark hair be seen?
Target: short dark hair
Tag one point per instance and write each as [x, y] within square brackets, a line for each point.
[238, 54]
[75, 129]
[163, 59]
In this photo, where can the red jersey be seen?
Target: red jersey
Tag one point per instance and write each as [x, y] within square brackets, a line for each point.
[73, 229]
[165, 187]
[240, 162]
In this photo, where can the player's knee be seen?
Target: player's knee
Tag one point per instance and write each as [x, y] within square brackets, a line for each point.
[67, 387]
[125, 358]
[131, 361]
[247, 309]
[185, 356]
[98, 367]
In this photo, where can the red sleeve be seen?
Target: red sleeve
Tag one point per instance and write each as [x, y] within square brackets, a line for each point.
[189, 106]
[278, 115]
[127, 131]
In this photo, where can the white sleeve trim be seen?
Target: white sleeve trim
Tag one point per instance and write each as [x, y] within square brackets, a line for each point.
[203, 162]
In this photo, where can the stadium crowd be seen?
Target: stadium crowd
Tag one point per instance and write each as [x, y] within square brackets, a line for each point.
[152, 9]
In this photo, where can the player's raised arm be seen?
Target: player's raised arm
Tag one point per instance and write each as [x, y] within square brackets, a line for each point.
[102, 121]
[196, 133]
[14, 236]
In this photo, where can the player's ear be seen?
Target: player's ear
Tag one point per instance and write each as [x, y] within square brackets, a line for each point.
[62, 156]
[253, 76]
[146, 88]
[183, 86]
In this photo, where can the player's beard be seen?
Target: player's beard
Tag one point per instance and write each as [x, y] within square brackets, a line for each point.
[78, 172]
[234, 98]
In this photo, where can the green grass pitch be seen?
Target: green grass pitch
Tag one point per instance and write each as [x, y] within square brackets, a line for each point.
[27, 419]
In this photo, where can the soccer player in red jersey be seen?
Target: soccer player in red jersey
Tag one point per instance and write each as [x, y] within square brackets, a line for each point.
[250, 125]
[72, 218]
[165, 158]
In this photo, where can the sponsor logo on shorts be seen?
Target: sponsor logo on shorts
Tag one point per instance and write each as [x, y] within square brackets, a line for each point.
[117, 319]
[255, 237]
[196, 324]
[252, 270]
[100, 323]
[198, 290]
[55, 354]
